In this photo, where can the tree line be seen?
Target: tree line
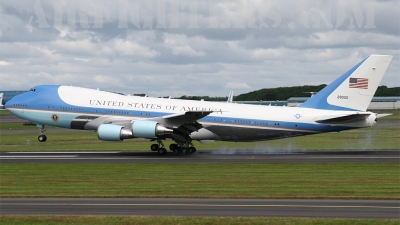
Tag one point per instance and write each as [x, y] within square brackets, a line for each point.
[284, 93]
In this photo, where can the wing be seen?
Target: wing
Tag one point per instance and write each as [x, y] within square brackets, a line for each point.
[93, 122]
[182, 124]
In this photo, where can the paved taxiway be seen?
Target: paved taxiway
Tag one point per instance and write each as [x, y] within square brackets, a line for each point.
[202, 207]
[217, 156]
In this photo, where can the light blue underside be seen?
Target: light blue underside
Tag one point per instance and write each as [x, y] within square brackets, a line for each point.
[45, 118]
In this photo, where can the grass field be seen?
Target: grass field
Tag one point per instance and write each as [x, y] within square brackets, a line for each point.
[369, 138]
[133, 220]
[220, 180]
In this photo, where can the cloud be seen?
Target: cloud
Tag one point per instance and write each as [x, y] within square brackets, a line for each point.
[129, 48]
[103, 79]
[82, 59]
[192, 47]
[181, 45]
[4, 63]
[235, 85]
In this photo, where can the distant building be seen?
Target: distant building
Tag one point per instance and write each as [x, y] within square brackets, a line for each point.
[7, 95]
[376, 103]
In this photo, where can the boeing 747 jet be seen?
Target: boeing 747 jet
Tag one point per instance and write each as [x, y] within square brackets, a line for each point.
[339, 106]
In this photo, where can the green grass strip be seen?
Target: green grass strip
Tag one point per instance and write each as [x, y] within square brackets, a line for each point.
[220, 180]
[133, 220]
[387, 137]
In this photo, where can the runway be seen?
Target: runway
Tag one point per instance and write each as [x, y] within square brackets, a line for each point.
[218, 156]
[203, 207]
[369, 209]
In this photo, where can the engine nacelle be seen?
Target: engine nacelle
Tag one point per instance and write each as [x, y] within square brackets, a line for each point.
[149, 129]
[139, 129]
[111, 132]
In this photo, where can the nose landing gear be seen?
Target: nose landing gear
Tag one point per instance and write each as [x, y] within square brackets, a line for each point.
[42, 137]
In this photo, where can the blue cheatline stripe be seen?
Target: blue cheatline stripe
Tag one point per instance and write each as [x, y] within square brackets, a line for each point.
[319, 101]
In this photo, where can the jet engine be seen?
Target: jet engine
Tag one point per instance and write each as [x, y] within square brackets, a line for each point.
[138, 129]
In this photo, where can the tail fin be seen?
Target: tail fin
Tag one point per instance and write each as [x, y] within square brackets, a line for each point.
[1, 99]
[354, 89]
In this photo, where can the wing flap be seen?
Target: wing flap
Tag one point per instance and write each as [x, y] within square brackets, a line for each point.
[177, 120]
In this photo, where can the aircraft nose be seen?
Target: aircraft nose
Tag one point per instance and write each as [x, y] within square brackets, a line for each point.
[9, 103]
[15, 101]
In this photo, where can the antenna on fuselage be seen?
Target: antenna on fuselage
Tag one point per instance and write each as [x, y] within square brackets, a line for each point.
[230, 97]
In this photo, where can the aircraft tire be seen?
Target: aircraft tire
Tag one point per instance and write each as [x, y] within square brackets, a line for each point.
[192, 149]
[180, 149]
[162, 151]
[173, 147]
[154, 147]
[188, 151]
[42, 138]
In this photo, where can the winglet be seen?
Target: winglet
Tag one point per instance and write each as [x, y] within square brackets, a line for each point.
[354, 89]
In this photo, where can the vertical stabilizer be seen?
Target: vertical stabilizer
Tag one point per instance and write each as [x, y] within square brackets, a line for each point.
[354, 89]
[1, 99]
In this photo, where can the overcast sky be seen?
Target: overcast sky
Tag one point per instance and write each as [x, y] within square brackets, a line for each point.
[196, 47]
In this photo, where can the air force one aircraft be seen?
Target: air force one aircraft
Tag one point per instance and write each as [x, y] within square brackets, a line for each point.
[339, 106]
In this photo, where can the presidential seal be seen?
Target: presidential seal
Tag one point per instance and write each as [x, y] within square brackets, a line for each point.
[54, 117]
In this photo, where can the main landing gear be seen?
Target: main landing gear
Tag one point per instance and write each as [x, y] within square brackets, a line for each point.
[186, 148]
[182, 148]
[42, 137]
[159, 147]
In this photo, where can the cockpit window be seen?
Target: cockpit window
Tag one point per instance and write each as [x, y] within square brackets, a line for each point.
[32, 89]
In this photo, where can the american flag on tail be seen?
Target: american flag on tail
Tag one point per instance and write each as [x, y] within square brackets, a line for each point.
[361, 83]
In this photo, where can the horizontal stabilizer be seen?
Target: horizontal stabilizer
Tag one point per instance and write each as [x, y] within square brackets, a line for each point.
[383, 115]
[345, 119]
